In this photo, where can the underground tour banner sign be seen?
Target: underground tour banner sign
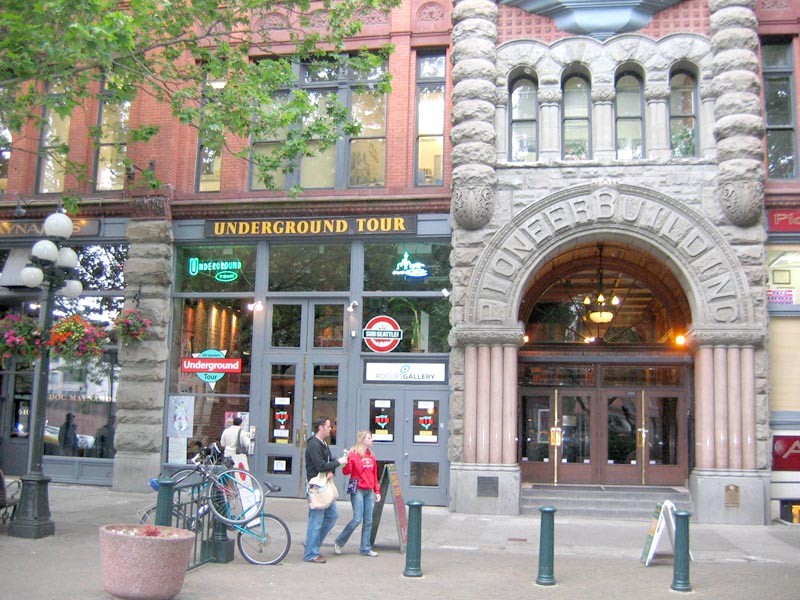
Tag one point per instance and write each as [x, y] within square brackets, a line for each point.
[211, 365]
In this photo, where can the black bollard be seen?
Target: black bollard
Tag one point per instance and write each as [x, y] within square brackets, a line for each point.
[680, 576]
[546, 535]
[414, 543]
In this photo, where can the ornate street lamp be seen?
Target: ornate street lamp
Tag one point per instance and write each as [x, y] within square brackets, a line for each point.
[52, 267]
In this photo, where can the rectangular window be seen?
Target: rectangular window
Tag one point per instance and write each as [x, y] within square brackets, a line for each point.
[5, 156]
[209, 156]
[53, 147]
[524, 108]
[215, 269]
[112, 144]
[576, 119]
[357, 160]
[778, 68]
[630, 118]
[309, 267]
[683, 115]
[430, 119]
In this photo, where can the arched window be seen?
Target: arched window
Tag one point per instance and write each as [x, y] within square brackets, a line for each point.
[576, 119]
[524, 108]
[630, 117]
[683, 114]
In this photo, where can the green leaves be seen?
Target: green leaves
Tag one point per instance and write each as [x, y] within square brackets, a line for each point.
[169, 50]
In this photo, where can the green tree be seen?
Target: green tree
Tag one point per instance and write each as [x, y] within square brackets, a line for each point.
[170, 49]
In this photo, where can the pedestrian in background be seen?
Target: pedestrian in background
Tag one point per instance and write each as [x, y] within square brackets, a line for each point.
[364, 489]
[234, 439]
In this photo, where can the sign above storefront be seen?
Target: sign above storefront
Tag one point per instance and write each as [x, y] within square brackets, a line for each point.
[310, 227]
[786, 453]
[382, 334]
[30, 228]
[407, 372]
[211, 365]
[783, 220]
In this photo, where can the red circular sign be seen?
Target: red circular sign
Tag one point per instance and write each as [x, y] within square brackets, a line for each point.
[382, 334]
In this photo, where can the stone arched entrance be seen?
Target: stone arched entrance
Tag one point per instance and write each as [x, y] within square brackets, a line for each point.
[726, 333]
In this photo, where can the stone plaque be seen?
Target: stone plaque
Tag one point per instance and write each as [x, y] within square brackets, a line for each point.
[488, 487]
[731, 495]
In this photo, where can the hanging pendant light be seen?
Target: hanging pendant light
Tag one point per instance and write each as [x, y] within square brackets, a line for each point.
[601, 306]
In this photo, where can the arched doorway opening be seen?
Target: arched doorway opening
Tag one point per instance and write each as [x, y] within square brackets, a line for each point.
[604, 379]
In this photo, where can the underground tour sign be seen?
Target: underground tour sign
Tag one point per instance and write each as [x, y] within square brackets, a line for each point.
[210, 365]
[382, 334]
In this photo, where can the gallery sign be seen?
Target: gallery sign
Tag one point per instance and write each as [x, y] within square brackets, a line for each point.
[406, 372]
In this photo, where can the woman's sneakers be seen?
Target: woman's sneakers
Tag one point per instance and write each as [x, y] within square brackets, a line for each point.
[337, 549]
[367, 553]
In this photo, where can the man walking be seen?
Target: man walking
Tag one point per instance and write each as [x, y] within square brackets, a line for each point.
[319, 460]
[234, 439]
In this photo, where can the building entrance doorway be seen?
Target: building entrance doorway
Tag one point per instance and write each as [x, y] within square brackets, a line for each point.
[634, 434]
[304, 370]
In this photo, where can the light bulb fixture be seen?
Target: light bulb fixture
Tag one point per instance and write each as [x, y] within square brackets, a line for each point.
[256, 306]
[601, 306]
[352, 306]
[20, 210]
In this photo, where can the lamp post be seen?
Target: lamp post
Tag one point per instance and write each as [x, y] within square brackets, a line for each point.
[52, 267]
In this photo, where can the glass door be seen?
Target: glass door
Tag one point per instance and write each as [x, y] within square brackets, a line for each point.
[642, 438]
[409, 429]
[304, 374]
[557, 429]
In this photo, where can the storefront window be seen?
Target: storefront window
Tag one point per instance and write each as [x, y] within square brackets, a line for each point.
[216, 269]
[412, 266]
[309, 268]
[80, 416]
[209, 372]
[424, 322]
[784, 277]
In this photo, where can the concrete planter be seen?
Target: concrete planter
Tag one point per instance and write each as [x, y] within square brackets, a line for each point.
[139, 567]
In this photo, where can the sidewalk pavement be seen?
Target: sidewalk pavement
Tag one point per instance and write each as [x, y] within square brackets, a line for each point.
[462, 556]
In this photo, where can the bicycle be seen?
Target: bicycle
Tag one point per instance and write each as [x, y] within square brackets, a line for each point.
[234, 496]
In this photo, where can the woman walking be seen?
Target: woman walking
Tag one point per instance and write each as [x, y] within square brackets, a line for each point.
[364, 490]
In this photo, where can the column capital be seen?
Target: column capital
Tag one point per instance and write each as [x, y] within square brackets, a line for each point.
[487, 335]
[729, 337]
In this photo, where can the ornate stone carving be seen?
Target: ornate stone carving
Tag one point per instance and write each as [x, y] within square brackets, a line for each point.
[472, 206]
[549, 96]
[431, 13]
[729, 337]
[275, 20]
[604, 182]
[656, 92]
[603, 94]
[503, 335]
[375, 17]
[318, 18]
[741, 201]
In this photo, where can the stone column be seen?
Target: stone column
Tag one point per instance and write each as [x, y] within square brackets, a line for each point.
[473, 133]
[657, 124]
[720, 407]
[704, 406]
[143, 366]
[550, 124]
[734, 369]
[708, 146]
[603, 125]
[739, 125]
[501, 122]
[491, 352]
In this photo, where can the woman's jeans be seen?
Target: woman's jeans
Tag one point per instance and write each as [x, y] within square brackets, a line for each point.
[363, 502]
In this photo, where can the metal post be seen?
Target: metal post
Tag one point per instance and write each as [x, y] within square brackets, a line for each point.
[680, 577]
[546, 538]
[32, 519]
[164, 502]
[414, 544]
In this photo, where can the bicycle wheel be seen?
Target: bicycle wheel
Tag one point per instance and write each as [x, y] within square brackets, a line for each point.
[265, 540]
[235, 497]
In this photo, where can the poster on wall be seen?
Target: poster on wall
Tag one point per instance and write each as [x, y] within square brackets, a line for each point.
[281, 413]
[426, 422]
[180, 417]
[176, 450]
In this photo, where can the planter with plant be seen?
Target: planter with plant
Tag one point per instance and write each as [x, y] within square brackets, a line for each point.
[144, 562]
[130, 326]
[20, 338]
[74, 338]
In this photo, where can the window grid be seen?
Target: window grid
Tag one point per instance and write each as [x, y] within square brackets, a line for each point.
[576, 119]
[51, 174]
[778, 69]
[209, 160]
[354, 161]
[629, 104]
[523, 124]
[430, 119]
[683, 115]
[112, 146]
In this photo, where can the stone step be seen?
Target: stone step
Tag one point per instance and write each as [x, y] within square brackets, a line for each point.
[608, 502]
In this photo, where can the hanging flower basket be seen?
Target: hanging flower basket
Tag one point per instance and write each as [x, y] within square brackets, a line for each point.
[20, 337]
[74, 338]
[130, 326]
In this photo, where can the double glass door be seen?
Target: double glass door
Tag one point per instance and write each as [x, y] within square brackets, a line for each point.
[603, 436]
[304, 377]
